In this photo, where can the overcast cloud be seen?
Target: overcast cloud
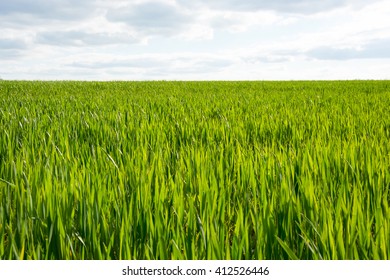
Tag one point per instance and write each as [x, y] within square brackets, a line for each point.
[64, 10]
[152, 18]
[191, 40]
[373, 49]
[82, 38]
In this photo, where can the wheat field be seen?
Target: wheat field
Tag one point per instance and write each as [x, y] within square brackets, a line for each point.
[195, 170]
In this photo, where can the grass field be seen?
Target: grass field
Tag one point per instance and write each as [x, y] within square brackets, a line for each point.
[195, 170]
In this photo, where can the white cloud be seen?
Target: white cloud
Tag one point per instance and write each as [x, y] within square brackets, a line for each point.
[177, 39]
[289, 7]
[161, 65]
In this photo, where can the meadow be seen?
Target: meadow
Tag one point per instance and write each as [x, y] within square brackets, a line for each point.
[195, 170]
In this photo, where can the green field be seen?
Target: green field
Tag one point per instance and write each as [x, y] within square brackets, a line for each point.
[195, 170]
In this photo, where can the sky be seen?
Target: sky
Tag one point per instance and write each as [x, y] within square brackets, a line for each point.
[194, 39]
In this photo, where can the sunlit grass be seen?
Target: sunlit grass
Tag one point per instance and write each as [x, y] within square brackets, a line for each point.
[195, 170]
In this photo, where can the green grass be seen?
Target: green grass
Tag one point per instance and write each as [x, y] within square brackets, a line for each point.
[195, 170]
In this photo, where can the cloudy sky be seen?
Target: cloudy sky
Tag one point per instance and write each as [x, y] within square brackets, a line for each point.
[194, 39]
